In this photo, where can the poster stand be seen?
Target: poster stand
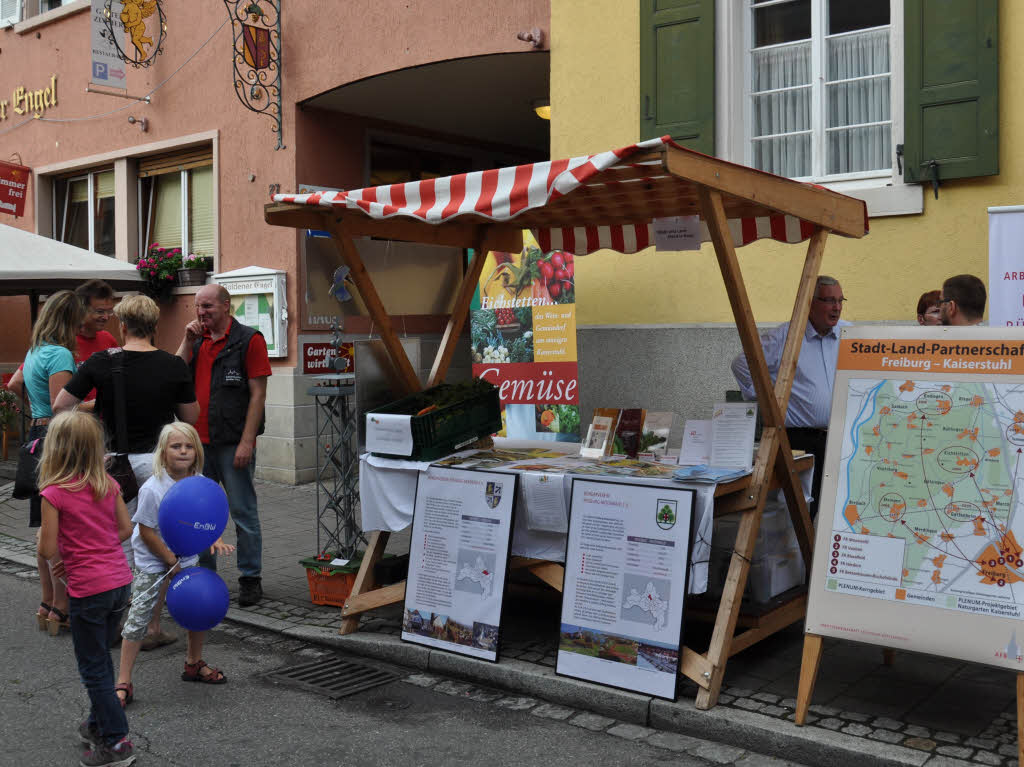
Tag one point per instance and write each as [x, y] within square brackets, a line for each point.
[622, 190]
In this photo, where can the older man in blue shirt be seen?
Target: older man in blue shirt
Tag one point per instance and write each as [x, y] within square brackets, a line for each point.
[810, 401]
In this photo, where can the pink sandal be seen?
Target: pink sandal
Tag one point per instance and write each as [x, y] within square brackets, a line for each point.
[194, 673]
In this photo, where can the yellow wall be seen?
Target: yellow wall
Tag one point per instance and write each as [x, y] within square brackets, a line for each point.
[595, 76]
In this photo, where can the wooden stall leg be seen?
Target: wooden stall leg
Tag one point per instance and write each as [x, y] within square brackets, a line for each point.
[460, 311]
[364, 578]
[809, 675]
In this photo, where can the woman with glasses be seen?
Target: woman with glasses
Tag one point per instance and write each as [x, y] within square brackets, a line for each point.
[929, 308]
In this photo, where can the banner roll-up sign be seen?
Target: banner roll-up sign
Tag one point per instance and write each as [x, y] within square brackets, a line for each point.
[13, 188]
[1005, 266]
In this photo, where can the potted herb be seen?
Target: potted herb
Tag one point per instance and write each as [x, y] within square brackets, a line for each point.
[193, 270]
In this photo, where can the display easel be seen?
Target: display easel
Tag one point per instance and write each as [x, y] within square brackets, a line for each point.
[620, 191]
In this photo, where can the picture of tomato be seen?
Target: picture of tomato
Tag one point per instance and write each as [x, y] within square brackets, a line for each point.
[557, 260]
[561, 275]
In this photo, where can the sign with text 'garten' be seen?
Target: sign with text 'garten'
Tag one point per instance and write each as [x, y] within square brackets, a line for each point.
[922, 514]
[523, 328]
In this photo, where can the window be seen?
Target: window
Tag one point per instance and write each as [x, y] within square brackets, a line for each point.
[819, 91]
[176, 204]
[84, 211]
[10, 12]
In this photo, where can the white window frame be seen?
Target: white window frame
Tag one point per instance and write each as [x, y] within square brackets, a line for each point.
[13, 17]
[884, 192]
[145, 218]
[60, 217]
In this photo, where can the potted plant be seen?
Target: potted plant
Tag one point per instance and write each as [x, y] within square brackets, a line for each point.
[193, 270]
[159, 267]
[198, 261]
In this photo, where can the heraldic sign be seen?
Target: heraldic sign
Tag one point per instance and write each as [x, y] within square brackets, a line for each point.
[256, 53]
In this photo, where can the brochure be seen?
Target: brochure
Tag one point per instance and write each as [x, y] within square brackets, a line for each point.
[654, 435]
[696, 447]
[627, 432]
[598, 437]
[732, 434]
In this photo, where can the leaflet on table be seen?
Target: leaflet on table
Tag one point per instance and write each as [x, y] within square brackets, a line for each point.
[732, 434]
[654, 435]
[626, 567]
[598, 435]
[458, 560]
[696, 447]
[546, 509]
[711, 475]
[389, 433]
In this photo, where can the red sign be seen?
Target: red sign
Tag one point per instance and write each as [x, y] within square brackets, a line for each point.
[527, 383]
[13, 188]
[316, 358]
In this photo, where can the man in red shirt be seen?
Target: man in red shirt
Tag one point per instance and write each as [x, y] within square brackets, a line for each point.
[230, 366]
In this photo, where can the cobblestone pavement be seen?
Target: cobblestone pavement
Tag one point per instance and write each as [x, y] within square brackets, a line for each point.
[922, 710]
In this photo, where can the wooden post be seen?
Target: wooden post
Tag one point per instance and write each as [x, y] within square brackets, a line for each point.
[379, 315]
[364, 578]
[458, 315]
[809, 674]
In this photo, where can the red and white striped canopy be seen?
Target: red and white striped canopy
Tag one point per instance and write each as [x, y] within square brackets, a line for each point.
[505, 194]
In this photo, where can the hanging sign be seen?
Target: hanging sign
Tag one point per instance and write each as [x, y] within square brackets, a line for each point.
[13, 188]
[523, 337]
[108, 69]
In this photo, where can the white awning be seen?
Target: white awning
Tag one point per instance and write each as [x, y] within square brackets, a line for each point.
[33, 263]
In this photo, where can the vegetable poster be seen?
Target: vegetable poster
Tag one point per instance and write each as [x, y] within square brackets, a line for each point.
[523, 329]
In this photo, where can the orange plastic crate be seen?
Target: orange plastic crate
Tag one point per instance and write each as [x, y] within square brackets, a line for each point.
[329, 587]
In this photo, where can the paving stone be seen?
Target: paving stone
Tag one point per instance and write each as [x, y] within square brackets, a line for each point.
[1008, 750]
[748, 705]
[886, 736]
[740, 692]
[725, 700]
[788, 702]
[531, 657]
[886, 723]
[516, 703]
[984, 743]
[808, 719]
[718, 753]
[448, 687]
[594, 722]
[921, 744]
[673, 741]
[860, 730]
[947, 737]
[948, 761]
[824, 710]
[759, 760]
[422, 680]
[766, 697]
[773, 711]
[551, 711]
[917, 732]
[855, 716]
[958, 751]
[484, 695]
[630, 731]
[986, 757]
[831, 723]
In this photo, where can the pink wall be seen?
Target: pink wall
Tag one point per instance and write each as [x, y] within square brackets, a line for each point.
[321, 50]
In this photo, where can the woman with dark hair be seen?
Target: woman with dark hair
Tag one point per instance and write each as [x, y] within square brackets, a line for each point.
[929, 308]
[49, 364]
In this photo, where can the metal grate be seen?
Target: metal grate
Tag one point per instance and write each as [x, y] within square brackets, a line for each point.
[332, 677]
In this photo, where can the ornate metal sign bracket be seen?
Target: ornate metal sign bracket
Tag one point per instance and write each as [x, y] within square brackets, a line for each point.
[136, 20]
[256, 53]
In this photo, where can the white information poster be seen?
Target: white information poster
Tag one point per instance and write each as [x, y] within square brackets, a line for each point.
[918, 543]
[458, 560]
[1005, 267]
[626, 565]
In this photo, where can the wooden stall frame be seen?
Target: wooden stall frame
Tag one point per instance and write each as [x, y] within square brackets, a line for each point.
[669, 181]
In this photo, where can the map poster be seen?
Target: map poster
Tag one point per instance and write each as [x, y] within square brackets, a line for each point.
[918, 543]
[626, 565]
[458, 560]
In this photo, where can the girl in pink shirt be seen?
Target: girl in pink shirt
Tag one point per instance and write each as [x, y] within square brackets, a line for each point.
[84, 521]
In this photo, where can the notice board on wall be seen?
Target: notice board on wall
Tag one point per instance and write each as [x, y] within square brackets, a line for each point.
[258, 299]
[918, 546]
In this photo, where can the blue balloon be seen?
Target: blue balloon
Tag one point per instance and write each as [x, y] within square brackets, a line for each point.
[193, 514]
[197, 599]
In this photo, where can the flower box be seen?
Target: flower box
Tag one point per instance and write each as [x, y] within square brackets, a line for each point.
[190, 277]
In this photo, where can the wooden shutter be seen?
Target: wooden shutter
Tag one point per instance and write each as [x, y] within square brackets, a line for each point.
[175, 162]
[951, 89]
[10, 12]
[677, 71]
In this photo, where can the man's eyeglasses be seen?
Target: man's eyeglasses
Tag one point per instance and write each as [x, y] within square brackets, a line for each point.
[944, 301]
[102, 312]
[831, 301]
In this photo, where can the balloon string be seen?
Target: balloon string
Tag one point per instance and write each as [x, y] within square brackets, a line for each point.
[156, 583]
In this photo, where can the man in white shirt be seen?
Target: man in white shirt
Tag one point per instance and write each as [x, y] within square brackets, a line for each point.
[962, 301]
[810, 400]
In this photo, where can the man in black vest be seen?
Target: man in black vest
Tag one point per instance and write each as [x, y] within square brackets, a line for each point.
[230, 366]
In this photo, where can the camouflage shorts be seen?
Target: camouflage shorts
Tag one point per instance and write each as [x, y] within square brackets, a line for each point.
[144, 596]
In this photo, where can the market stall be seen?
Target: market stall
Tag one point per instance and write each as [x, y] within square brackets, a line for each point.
[581, 205]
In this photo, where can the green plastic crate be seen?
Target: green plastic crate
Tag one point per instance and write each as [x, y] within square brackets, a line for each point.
[447, 429]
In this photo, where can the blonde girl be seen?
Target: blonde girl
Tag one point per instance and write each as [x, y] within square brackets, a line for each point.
[84, 521]
[179, 454]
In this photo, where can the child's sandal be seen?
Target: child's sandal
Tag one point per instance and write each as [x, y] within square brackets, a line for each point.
[42, 613]
[194, 673]
[129, 692]
[54, 625]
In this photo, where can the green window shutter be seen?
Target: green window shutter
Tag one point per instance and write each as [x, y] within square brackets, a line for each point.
[677, 71]
[951, 89]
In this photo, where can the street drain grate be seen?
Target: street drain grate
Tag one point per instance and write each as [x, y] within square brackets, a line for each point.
[332, 677]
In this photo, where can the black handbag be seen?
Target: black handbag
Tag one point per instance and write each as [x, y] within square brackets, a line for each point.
[118, 465]
[25, 482]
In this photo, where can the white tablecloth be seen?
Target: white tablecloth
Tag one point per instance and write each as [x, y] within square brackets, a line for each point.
[387, 492]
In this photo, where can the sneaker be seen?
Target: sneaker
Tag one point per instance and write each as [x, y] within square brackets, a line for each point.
[250, 590]
[121, 754]
[88, 734]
